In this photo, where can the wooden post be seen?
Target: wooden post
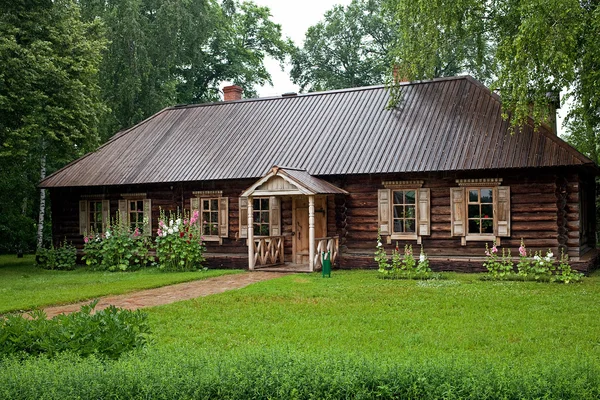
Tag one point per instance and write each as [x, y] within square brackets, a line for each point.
[250, 238]
[311, 232]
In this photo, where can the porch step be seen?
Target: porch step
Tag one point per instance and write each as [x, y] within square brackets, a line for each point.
[284, 268]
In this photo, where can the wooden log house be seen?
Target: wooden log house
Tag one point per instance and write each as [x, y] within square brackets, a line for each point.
[279, 180]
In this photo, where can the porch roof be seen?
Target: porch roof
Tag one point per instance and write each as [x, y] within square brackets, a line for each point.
[284, 181]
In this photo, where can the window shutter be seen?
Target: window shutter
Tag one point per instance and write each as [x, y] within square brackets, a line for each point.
[275, 216]
[243, 212]
[457, 211]
[503, 211]
[224, 216]
[195, 206]
[147, 217]
[383, 201]
[424, 219]
[123, 220]
[83, 222]
[105, 214]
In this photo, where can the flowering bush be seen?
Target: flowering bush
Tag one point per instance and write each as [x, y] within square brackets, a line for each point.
[423, 265]
[498, 267]
[118, 249]
[539, 267]
[381, 257]
[179, 244]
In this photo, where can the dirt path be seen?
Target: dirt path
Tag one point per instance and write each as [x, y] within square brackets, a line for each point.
[172, 293]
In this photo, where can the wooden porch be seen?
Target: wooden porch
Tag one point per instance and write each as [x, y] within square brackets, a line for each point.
[269, 255]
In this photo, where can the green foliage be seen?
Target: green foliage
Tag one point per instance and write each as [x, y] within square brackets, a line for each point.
[348, 48]
[118, 249]
[403, 267]
[537, 268]
[63, 257]
[164, 52]
[528, 50]
[284, 374]
[179, 243]
[105, 333]
[498, 268]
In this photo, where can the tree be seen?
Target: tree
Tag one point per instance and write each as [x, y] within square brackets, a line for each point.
[349, 48]
[525, 49]
[353, 46]
[166, 52]
[49, 104]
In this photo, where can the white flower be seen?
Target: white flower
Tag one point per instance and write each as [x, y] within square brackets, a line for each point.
[170, 230]
[379, 244]
[178, 221]
[175, 228]
[537, 258]
[164, 233]
[171, 223]
[107, 234]
[422, 258]
[549, 256]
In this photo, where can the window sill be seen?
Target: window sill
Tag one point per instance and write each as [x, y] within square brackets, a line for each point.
[212, 239]
[480, 238]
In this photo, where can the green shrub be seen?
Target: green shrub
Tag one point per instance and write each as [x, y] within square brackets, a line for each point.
[406, 267]
[178, 374]
[106, 333]
[64, 257]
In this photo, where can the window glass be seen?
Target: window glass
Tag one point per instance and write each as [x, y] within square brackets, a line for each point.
[261, 216]
[480, 211]
[404, 210]
[210, 217]
[95, 217]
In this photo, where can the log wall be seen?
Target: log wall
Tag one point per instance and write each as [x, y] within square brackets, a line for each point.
[545, 213]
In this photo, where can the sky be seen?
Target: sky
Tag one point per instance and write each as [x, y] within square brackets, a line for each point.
[295, 17]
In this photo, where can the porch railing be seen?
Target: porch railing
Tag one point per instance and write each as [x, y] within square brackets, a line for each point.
[326, 244]
[268, 251]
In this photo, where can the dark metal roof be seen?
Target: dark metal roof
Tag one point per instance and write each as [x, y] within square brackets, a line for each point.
[446, 124]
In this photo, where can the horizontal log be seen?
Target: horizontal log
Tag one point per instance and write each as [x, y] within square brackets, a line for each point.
[517, 208]
[534, 199]
[532, 188]
[361, 220]
[441, 218]
[362, 212]
[518, 217]
[368, 197]
[438, 210]
[573, 225]
[573, 198]
[364, 227]
[534, 226]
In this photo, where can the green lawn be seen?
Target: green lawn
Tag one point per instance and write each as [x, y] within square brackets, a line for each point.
[23, 286]
[356, 313]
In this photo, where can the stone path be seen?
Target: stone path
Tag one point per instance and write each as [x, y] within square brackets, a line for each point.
[172, 293]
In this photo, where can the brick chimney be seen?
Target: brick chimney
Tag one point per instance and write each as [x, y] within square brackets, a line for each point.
[232, 93]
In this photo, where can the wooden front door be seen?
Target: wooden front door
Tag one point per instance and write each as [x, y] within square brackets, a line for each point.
[300, 222]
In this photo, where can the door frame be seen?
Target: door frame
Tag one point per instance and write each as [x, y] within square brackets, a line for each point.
[317, 215]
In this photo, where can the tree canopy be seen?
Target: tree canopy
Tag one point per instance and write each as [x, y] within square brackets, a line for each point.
[49, 103]
[166, 52]
[526, 49]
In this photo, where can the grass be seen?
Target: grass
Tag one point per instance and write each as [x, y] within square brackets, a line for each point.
[356, 313]
[23, 286]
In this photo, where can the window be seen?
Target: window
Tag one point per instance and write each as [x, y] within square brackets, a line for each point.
[480, 211]
[266, 216]
[210, 217]
[214, 214]
[404, 211]
[136, 214]
[93, 215]
[135, 211]
[261, 216]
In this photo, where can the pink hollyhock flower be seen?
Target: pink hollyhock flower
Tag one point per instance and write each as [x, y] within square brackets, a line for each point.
[494, 249]
[185, 221]
[487, 253]
[85, 239]
[522, 251]
[161, 224]
[159, 232]
[136, 233]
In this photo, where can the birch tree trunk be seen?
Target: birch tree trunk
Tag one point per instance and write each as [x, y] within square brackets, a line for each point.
[42, 215]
